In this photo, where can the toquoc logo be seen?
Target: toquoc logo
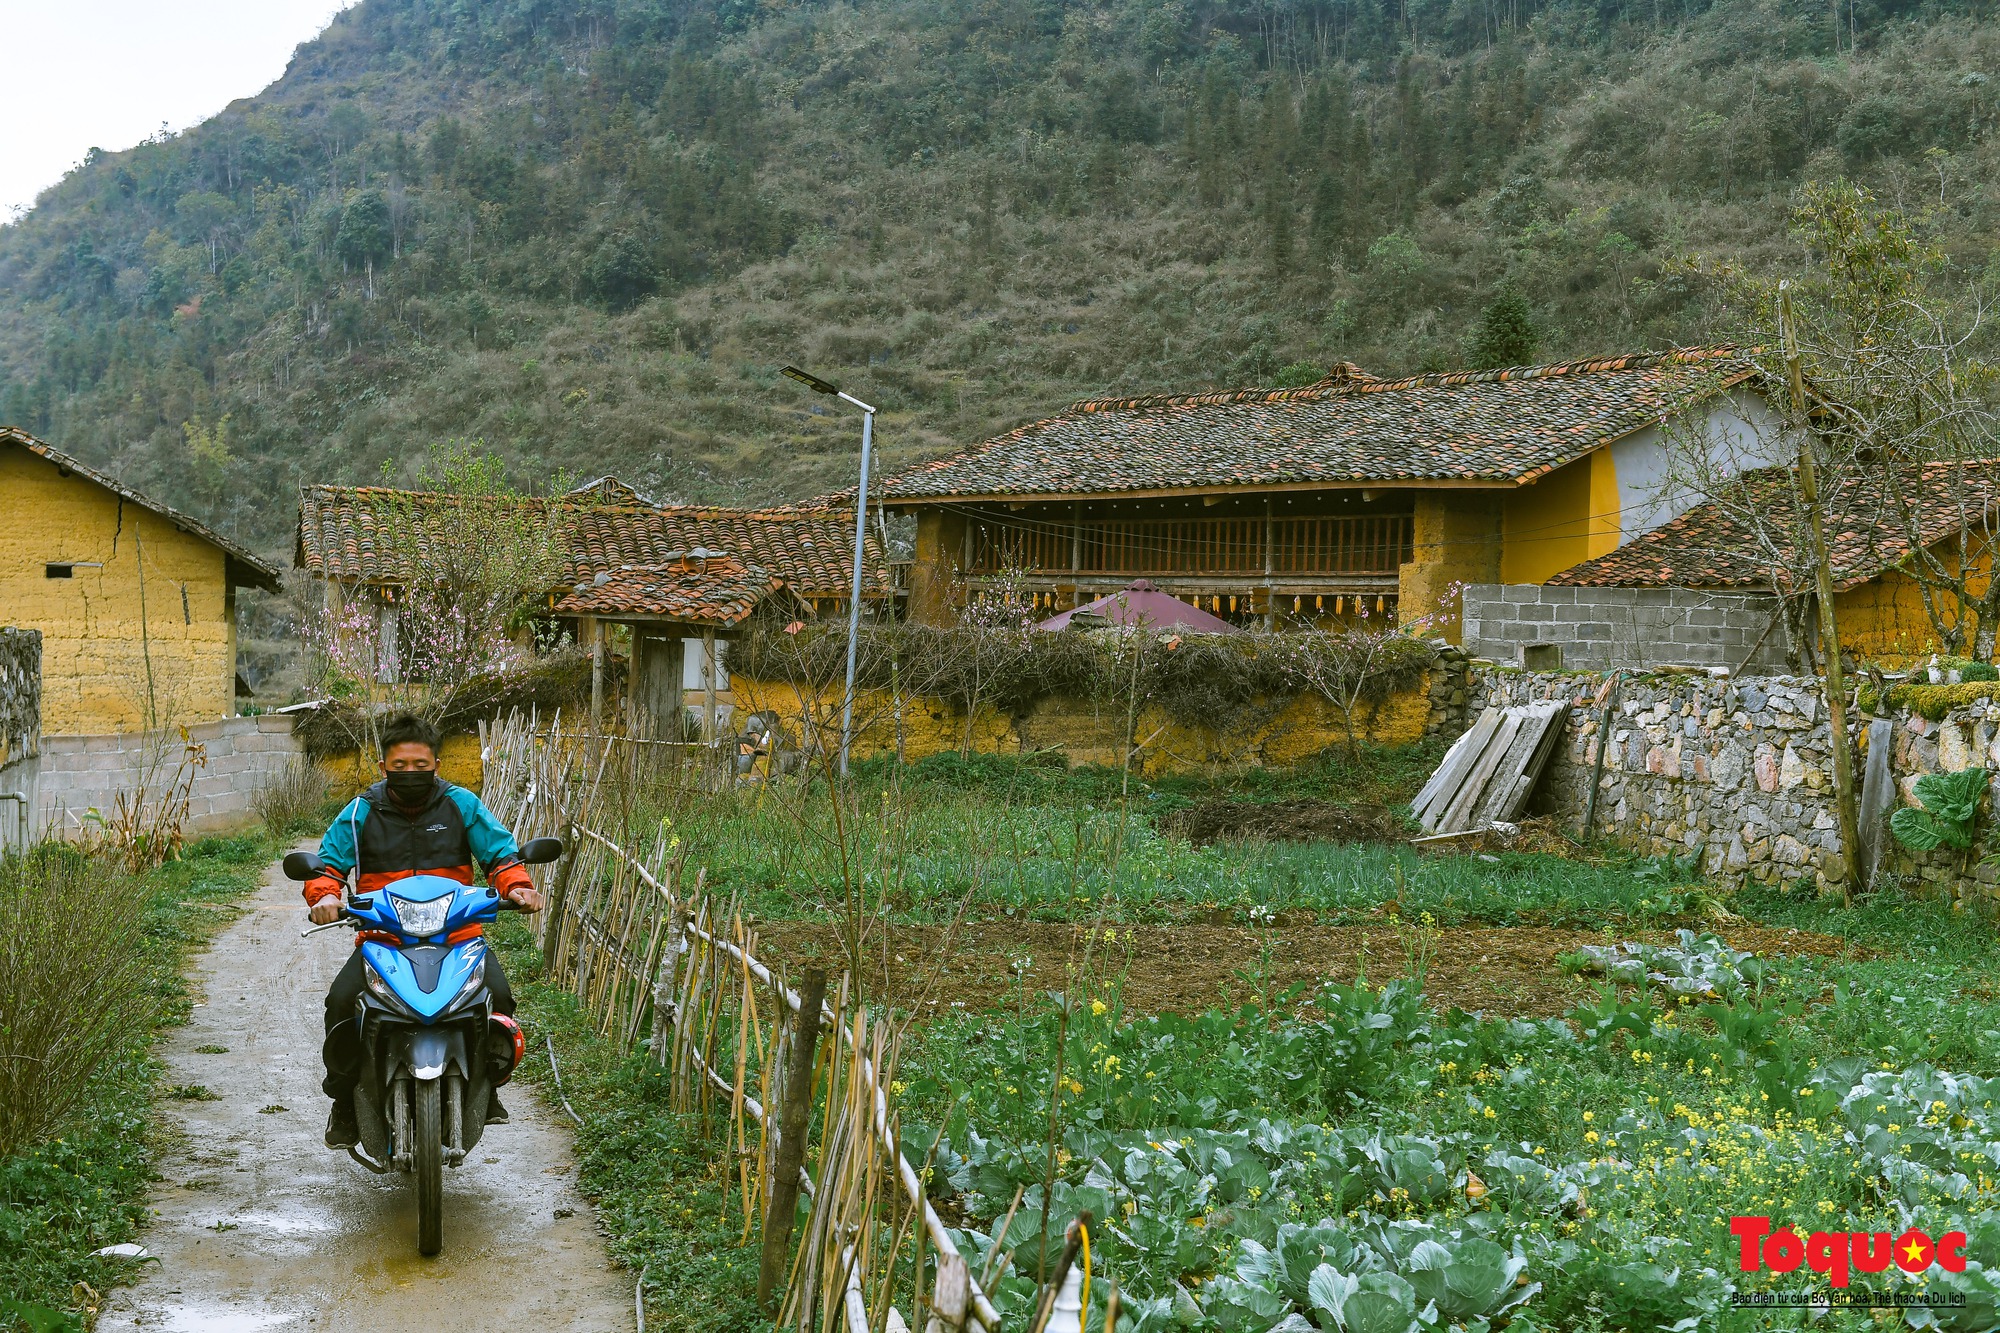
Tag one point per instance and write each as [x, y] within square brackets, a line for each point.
[1837, 1253]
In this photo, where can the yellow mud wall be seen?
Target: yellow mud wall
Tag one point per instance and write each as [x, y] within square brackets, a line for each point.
[98, 641]
[939, 547]
[1088, 734]
[1606, 535]
[1545, 527]
[1455, 540]
[1885, 618]
[458, 761]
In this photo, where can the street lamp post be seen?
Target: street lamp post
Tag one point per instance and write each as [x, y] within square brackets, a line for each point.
[818, 385]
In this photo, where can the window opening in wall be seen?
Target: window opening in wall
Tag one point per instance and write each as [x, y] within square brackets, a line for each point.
[58, 571]
[65, 569]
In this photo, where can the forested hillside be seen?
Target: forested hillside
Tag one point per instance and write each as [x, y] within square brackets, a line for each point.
[587, 232]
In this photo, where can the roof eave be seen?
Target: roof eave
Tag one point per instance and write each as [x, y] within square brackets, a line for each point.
[1175, 492]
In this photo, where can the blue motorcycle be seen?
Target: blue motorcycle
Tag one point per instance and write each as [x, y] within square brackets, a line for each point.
[428, 1034]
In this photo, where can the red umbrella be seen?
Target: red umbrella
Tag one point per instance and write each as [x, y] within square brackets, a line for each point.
[1140, 603]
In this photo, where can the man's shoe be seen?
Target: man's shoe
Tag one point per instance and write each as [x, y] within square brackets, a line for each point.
[496, 1114]
[342, 1132]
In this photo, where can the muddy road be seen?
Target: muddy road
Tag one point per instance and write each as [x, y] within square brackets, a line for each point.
[259, 1227]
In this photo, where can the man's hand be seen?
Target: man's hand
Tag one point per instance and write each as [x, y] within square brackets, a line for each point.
[527, 898]
[325, 912]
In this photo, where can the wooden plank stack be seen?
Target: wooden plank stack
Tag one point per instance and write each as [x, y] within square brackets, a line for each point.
[1488, 775]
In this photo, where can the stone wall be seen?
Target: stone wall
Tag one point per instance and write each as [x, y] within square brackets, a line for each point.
[1736, 770]
[1606, 629]
[20, 732]
[243, 755]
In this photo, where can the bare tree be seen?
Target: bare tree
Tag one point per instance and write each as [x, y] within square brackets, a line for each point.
[1894, 404]
[474, 558]
[1882, 437]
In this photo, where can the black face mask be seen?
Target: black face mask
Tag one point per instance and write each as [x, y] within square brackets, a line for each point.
[411, 786]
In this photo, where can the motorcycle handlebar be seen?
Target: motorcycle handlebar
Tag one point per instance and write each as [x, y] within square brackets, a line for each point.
[350, 920]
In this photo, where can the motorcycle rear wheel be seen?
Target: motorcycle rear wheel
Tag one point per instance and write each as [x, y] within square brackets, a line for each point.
[427, 1164]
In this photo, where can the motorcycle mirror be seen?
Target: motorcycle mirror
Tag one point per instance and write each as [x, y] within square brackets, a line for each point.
[541, 851]
[302, 866]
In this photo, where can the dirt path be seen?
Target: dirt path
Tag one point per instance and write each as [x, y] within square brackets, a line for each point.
[258, 1227]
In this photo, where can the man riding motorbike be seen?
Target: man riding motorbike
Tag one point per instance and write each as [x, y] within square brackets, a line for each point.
[411, 822]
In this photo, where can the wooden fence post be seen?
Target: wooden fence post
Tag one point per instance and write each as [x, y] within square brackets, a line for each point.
[668, 985]
[558, 903]
[795, 1111]
[952, 1297]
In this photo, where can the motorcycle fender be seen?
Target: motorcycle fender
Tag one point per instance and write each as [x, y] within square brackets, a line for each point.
[428, 1052]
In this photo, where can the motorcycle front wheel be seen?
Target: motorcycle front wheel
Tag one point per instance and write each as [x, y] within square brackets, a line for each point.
[427, 1163]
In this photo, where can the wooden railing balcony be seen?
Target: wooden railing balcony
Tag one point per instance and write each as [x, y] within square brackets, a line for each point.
[1251, 547]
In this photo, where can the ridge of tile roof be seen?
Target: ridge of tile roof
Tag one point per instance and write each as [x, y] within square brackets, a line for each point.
[1708, 547]
[1348, 378]
[339, 537]
[261, 572]
[608, 489]
[719, 591]
[1492, 427]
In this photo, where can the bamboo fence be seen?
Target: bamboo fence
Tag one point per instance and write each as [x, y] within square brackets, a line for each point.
[645, 958]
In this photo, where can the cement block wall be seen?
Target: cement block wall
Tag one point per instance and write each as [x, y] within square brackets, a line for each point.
[20, 732]
[241, 756]
[1608, 629]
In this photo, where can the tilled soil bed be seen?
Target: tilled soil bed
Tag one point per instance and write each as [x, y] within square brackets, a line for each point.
[1501, 970]
[1286, 821]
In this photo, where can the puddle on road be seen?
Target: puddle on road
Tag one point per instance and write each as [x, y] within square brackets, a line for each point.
[293, 1223]
[183, 1319]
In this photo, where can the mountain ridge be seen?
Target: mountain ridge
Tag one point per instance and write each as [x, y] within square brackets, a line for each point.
[587, 232]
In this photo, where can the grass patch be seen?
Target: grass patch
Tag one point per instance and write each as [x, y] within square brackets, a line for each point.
[1021, 837]
[66, 1197]
[656, 1177]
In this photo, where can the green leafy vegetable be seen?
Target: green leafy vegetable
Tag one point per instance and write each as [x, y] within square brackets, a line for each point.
[1950, 809]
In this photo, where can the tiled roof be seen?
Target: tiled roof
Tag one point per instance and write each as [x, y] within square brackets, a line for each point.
[340, 537]
[1494, 427]
[1707, 547]
[715, 592]
[244, 569]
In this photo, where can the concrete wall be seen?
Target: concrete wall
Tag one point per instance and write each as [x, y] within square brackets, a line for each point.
[110, 638]
[1739, 772]
[1606, 629]
[242, 754]
[20, 733]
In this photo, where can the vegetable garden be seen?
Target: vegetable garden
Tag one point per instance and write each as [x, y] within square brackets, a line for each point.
[1325, 1141]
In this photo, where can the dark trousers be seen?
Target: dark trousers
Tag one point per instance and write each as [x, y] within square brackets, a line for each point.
[341, 1051]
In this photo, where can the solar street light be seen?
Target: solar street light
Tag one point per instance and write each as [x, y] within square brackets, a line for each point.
[818, 385]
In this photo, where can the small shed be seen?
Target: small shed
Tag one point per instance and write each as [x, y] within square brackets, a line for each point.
[699, 594]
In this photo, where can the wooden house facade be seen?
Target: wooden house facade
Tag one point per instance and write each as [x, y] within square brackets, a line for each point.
[1355, 494]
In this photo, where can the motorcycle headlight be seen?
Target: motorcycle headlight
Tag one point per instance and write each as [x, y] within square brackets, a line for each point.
[380, 990]
[421, 919]
[474, 980]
